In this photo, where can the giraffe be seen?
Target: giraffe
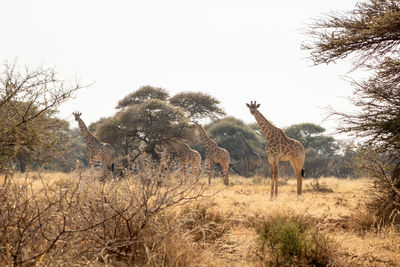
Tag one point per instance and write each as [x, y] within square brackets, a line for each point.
[279, 148]
[251, 159]
[213, 154]
[94, 148]
[186, 156]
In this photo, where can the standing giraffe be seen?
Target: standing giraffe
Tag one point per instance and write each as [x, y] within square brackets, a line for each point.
[186, 156]
[251, 159]
[94, 148]
[214, 154]
[279, 148]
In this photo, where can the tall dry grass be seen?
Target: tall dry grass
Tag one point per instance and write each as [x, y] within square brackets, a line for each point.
[53, 219]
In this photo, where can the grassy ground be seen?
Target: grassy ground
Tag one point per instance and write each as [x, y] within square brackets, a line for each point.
[221, 229]
[340, 215]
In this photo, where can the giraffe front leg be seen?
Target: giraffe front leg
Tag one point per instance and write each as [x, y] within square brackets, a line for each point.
[274, 180]
[226, 174]
[246, 164]
[197, 167]
[90, 159]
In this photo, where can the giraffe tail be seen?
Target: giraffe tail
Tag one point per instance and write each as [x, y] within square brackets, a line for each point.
[112, 167]
[302, 172]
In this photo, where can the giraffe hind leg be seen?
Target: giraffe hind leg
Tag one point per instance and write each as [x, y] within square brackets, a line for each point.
[299, 173]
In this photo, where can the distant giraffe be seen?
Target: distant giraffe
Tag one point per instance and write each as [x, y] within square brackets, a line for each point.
[251, 159]
[94, 148]
[279, 148]
[214, 154]
[186, 156]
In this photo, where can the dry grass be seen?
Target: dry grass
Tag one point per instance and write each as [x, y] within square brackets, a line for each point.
[221, 229]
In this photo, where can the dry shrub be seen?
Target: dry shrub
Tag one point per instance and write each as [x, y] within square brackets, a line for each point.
[385, 189]
[203, 224]
[362, 222]
[292, 241]
[85, 221]
[316, 186]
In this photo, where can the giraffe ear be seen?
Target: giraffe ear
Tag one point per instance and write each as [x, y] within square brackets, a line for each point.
[247, 105]
[258, 105]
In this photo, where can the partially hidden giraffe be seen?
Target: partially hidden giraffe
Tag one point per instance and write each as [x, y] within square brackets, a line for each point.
[186, 156]
[213, 154]
[251, 159]
[95, 150]
[279, 148]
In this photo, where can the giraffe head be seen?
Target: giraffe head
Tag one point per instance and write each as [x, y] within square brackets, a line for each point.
[253, 106]
[193, 124]
[77, 115]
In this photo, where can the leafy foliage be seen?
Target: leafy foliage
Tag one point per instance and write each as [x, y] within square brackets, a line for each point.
[371, 30]
[197, 105]
[28, 103]
[291, 241]
[371, 34]
[143, 94]
[311, 136]
[385, 188]
[149, 124]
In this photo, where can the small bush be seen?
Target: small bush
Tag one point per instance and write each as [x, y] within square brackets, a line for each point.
[292, 241]
[203, 224]
[384, 170]
[316, 186]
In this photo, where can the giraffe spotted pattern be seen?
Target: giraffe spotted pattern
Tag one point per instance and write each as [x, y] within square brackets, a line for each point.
[279, 148]
[95, 150]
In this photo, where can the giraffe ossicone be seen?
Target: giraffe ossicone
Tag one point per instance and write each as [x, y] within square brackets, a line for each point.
[279, 148]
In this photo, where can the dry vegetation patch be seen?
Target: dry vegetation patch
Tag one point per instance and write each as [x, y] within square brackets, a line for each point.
[55, 218]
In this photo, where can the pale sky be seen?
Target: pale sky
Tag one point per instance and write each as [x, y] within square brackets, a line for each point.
[236, 51]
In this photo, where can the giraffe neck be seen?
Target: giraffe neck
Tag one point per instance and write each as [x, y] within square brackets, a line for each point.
[86, 135]
[205, 140]
[268, 129]
[244, 142]
[177, 147]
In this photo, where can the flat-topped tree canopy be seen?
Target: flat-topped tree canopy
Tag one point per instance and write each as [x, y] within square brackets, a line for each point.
[198, 105]
[143, 94]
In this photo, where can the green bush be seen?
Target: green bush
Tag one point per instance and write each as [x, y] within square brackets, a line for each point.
[292, 241]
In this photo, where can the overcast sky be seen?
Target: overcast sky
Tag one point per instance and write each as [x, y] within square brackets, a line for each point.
[236, 51]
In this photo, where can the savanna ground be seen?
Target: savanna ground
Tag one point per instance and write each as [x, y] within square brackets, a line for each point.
[219, 228]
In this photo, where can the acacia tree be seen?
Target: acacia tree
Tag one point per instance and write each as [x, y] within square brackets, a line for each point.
[370, 33]
[198, 105]
[146, 126]
[28, 103]
[141, 95]
[148, 118]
